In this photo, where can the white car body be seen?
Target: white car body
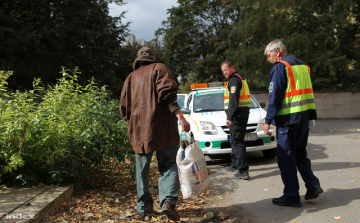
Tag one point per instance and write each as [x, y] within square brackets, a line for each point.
[216, 141]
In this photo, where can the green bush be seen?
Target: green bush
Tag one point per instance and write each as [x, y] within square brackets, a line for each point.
[68, 133]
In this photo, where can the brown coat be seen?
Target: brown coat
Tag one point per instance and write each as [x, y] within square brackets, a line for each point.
[147, 103]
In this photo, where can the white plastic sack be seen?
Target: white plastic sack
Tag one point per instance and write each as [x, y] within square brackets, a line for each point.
[192, 168]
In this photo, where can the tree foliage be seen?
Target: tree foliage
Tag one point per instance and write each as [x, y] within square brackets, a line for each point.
[200, 34]
[38, 37]
[196, 37]
[324, 34]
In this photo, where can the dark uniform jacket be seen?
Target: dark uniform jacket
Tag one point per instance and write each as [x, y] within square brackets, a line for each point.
[147, 103]
[233, 110]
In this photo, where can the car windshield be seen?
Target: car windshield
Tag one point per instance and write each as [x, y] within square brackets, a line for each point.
[181, 100]
[213, 101]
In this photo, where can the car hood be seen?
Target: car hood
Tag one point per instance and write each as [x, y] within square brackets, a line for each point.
[219, 117]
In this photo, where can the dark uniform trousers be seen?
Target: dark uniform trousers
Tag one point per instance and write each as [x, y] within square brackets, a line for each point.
[292, 156]
[239, 158]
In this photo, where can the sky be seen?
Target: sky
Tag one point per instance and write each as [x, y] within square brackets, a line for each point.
[146, 15]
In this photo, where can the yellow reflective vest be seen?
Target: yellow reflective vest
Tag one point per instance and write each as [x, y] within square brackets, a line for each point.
[299, 95]
[244, 99]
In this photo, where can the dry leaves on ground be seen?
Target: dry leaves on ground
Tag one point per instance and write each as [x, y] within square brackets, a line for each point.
[119, 203]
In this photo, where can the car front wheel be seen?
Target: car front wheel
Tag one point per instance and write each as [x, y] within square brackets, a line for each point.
[269, 153]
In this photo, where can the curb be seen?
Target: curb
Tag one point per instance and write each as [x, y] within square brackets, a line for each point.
[55, 204]
[41, 203]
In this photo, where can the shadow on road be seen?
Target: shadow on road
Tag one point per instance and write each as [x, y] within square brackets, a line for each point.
[331, 198]
[274, 171]
[256, 158]
[260, 167]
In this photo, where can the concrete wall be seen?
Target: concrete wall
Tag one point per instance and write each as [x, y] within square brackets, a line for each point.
[330, 104]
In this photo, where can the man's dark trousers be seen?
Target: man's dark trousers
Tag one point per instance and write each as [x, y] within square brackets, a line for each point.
[239, 158]
[292, 156]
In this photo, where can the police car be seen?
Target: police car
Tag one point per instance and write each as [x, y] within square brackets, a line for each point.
[181, 100]
[204, 110]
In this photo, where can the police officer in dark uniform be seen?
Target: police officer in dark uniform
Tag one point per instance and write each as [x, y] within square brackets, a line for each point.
[291, 105]
[237, 105]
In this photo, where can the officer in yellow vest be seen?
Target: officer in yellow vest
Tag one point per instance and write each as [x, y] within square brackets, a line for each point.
[237, 105]
[291, 105]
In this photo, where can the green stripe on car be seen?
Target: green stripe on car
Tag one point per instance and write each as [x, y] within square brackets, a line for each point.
[216, 144]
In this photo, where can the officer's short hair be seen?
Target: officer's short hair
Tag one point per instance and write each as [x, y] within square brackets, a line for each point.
[228, 62]
[275, 44]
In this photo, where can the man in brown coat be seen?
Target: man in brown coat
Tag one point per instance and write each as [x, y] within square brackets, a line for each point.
[148, 104]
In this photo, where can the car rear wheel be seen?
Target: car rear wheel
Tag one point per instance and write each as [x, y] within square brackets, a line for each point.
[269, 153]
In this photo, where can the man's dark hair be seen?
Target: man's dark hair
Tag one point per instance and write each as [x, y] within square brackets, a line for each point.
[228, 62]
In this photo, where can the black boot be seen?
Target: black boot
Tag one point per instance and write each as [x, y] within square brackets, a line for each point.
[283, 201]
[313, 192]
[244, 175]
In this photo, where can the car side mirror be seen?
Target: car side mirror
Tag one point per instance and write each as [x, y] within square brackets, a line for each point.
[263, 105]
[185, 111]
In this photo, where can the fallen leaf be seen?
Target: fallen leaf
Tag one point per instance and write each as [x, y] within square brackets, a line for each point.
[209, 215]
[266, 189]
[128, 213]
[225, 216]
[352, 177]
[63, 204]
[277, 218]
[352, 164]
[337, 218]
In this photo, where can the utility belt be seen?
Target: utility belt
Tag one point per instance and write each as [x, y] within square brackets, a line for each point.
[241, 114]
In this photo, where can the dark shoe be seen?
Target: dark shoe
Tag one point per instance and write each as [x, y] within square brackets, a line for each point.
[230, 168]
[313, 192]
[170, 212]
[244, 175]
[283, 201]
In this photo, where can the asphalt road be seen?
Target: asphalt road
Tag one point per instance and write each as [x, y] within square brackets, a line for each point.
[334, 149]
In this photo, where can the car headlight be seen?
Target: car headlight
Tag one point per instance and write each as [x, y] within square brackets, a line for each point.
[208, 128]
